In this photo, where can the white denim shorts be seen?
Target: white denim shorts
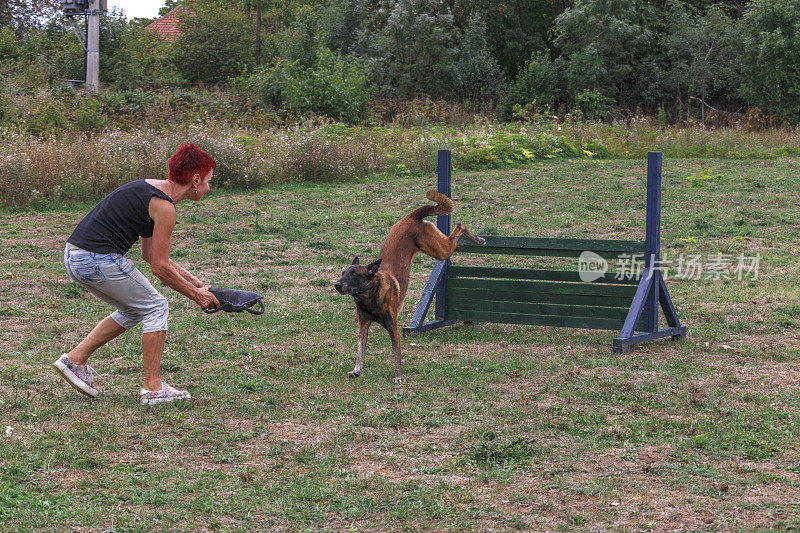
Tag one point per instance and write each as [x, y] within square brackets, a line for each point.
[114, 279]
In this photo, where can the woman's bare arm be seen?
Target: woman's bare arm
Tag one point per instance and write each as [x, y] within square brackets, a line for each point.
[147, 244]
[157, 251]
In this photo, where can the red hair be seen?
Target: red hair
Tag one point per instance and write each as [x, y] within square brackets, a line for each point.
[187, 161]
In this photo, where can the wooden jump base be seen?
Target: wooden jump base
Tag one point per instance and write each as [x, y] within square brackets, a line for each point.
[554, 297]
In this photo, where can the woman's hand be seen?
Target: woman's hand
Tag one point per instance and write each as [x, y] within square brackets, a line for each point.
[206, 299]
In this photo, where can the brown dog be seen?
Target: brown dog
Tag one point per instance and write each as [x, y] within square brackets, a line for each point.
[380, 287]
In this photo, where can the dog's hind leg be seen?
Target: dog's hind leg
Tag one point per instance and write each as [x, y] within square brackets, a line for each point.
[363, 333]
[394, 334]
[438, 245]
[468, 234]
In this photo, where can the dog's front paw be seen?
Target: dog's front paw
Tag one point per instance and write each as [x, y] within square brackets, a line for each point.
[399, 380]
[353, 374]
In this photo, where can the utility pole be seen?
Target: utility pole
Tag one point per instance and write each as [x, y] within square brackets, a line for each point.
[91, 10]
[93, 46]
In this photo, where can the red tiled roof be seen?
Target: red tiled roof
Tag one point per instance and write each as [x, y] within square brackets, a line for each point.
[168, 26]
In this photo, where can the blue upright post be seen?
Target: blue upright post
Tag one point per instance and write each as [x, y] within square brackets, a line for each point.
[652, 247]
[435, 288]
[443, 174]
[444, 170]
[652, 291]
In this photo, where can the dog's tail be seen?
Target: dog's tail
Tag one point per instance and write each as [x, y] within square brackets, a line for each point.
[444, 205]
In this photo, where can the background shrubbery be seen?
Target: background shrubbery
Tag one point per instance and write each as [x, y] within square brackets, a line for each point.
[51, 169]
[345, 88]
[512, 59]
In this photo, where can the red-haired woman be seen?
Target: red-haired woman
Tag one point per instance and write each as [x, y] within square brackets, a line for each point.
[94, 257]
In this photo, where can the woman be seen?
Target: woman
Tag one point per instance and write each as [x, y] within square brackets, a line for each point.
[94, 258]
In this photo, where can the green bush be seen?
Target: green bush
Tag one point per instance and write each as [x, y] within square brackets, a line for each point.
[506, 150]
[597, 149]
[788, 151]
[592, 105]
[265, 86]
[513, 149]
[130, 102]
[535, 90]
[46, 119]
[334, 87]
[549, 146]
[478, 159]
[89, 116]
[9, 45]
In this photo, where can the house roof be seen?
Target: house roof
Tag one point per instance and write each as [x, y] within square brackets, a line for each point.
[168, 26]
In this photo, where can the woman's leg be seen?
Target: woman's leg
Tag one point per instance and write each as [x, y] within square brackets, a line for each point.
[123, 286]
[105, 331]
[152, 350]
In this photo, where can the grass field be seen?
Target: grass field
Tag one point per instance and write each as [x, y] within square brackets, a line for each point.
[498, 428]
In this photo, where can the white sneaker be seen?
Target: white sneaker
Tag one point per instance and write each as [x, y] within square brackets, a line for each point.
[80, 377]
[166, 394]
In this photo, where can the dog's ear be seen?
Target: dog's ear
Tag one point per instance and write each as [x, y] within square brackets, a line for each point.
[372, 268]
[355, 260]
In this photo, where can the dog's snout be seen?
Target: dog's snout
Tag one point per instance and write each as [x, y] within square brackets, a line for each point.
[338, 287]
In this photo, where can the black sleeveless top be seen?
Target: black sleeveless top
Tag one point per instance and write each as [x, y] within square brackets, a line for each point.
[118, 220]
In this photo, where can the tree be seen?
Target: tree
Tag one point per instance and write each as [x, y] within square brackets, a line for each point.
[169, 5]
[609, 47]
[770, 40]
[21, 15]
[515, 29]
[132, 57]
[700, 54]
[733, 8]
[300, 40]
[476, 75]
[216, 43]
[419, 50]
[342, 22]
[55, 49]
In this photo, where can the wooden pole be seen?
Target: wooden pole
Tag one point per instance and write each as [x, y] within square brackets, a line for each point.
[652, 246]
[443, 173]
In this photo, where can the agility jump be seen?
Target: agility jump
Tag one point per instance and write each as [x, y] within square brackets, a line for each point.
[550, 297]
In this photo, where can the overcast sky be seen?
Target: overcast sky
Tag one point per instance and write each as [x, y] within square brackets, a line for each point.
[137, 8]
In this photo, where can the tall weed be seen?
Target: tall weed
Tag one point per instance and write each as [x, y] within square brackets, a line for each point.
[57, 167]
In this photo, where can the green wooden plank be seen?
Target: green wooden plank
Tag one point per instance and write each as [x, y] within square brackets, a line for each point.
[461, 294]
[456, 271]
[531, 308]
[555, 287]
[536, 320]
[538, 243]
[614, 257]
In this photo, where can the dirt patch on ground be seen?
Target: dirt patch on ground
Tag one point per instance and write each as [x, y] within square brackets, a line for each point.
[768, 375]
[302, 434]
[64, 479]
[624, 494]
